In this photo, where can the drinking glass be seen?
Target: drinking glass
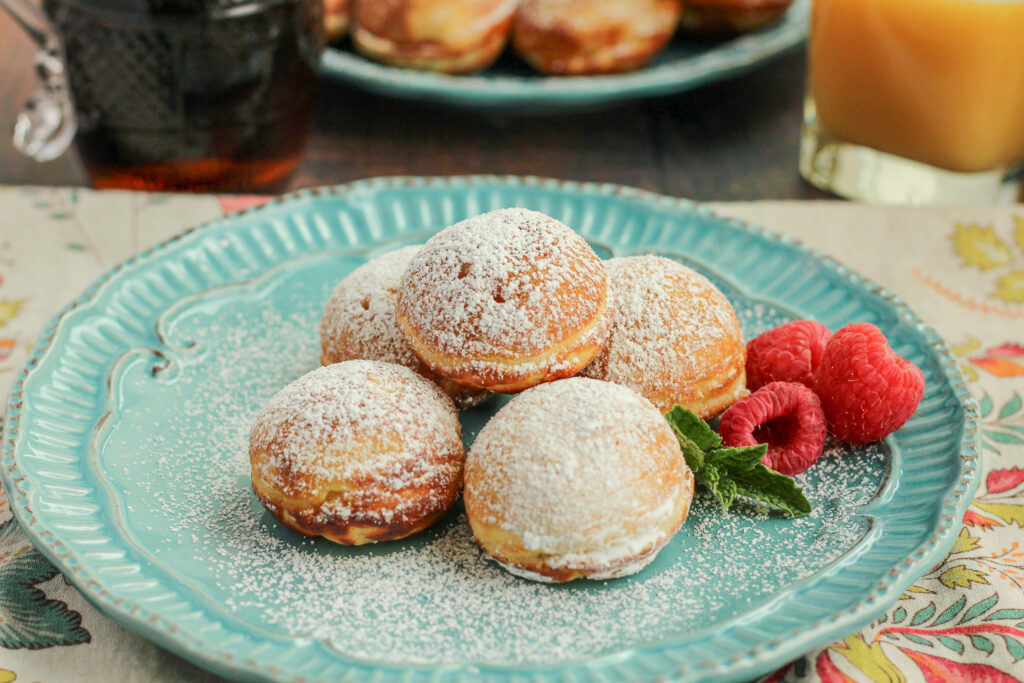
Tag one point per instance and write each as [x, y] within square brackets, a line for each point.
[200, 95]
[915, 101]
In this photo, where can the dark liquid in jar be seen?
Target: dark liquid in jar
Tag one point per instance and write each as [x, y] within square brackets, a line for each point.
[188, 94]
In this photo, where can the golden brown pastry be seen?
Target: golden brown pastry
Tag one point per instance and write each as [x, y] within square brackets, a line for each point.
[593, 36]
[357, 452]
[722, 18]
[453, 36]
[576, 478]
[676, 338]
[335, 19]
[359, 322]
[504, 301]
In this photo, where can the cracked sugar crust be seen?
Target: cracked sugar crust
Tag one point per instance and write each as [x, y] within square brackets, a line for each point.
[360, 440]
[579, 475]
[675, 339]
[509, 287]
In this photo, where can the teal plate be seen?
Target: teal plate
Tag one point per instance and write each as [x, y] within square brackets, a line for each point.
[510, 85]
[125, 459]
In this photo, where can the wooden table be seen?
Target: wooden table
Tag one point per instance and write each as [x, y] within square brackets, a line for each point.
[734, 140]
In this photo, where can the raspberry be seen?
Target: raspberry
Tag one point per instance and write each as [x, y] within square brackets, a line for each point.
[867, 390]
[785, 415]
[789, 353]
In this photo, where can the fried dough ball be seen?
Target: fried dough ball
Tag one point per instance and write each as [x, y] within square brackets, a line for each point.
[504, 301]
[676, 338]
[357, 452]
[576, 479]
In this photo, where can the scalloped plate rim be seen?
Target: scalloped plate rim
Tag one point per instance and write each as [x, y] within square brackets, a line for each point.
[760, 660]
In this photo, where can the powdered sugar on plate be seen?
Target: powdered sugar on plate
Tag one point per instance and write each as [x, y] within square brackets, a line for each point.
[433, 598]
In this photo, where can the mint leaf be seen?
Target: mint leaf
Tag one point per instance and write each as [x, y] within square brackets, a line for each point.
[778, 490]
[691, 451]
[727, 472]
[742, 458]
[726, 492]
[687, 423]
[723, 488]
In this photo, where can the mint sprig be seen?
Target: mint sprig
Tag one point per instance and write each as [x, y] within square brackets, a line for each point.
[728, 472]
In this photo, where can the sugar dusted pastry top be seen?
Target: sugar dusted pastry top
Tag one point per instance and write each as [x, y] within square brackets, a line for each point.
[585, 471]
[504, 287]
[676, 338]
[360, 421]
[359, 319]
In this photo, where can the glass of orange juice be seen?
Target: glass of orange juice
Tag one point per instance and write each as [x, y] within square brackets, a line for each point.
[916, 101]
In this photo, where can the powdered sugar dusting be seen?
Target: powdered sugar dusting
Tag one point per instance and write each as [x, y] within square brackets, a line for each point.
[359, 318]
[584, 470]
[672, 328]
[177, 454]
[508, 283]
[309, 436]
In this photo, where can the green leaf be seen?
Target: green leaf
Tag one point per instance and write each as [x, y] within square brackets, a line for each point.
[986, 405]
[982, 643]
[1014, 647]
[964, 542]
[899, 615]
[726, 492]
[692, 453]
[734, 459]
[692, 427]
[1010, 407]
[728, 472]
[923, 615]
[961, 576]
[761, 483]
[1005, 614]
[951, 611]
[1004, 437]
[980, 608]
[28, 619]
[917, 639]
[920, 589]
[952, 643]
[1008, 512]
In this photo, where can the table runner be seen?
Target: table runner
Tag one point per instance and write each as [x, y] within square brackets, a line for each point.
[961, 269]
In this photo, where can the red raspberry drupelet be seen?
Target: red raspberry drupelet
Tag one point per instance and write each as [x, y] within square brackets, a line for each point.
[867, 390]
[788, 353]
[785, 415]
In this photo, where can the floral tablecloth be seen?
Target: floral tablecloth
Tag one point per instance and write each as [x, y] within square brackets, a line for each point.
[960, 269]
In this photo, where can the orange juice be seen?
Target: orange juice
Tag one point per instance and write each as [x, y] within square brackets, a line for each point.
[937, 81]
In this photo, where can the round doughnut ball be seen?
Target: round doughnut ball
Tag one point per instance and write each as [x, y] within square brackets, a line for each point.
[676, 339]
[452, 36]
[505, 300]
[359, 322]
[576, 478]
[357, 452]
[335, 19]
[572, 37]
[725, 18]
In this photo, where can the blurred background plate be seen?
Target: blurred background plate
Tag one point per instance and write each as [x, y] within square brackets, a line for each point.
[125, 459]
[511, 85]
